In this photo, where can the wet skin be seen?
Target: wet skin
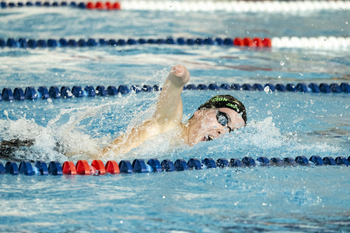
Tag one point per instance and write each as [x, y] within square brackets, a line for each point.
[204, 125]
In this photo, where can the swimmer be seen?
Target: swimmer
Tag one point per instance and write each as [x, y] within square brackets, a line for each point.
[220, 115]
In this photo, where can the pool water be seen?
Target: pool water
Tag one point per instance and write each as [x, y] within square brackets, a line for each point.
[211, 200]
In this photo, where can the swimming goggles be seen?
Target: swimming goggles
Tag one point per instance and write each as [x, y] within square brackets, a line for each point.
[223, 119]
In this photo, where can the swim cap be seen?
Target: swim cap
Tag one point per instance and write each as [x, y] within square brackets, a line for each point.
[226, 101]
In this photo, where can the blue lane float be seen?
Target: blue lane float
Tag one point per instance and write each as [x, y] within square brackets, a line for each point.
[77, 91]
[153, 165]
[289, 162]
[2, 169]
[7, 94]
[270, 86]
[55, 168]
[314, 88]
[248, 162]
[54, 92]
[26, 168]
[209, 163]
[30, 93]
[123, 89]
[317, 160]
[302, 161]
[263, 161]
[168, 165]
[221, 163]
[125, 167]
[11, 168]
[112, 90]
[180, 165]
[291, 87]
[236, 163]
[257, 87]
[194, 164]
[89, 91]
[18, 94]
[329, 161]
[276, 162]
[101, 91]
[66, 92]
[342, 161]
[246, 87]
[42, 167]
[138, 166]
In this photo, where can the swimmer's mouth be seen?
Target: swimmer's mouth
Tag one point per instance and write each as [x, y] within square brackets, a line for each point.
[208, 138]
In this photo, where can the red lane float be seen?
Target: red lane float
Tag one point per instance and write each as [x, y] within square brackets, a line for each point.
[90, 6]
[248, 42]
[267, 42]
[68, 168]
[258, 42]
[109, 5]
[112, 167]
[83, 168]
[238, 42]
[103, 6]
[116, 6]
[98, 165]
[100, 5]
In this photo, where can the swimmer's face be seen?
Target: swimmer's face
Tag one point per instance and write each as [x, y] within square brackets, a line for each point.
[210, 124]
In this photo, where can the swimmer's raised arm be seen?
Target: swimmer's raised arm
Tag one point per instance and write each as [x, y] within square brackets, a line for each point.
[169, 105]
[168, 114]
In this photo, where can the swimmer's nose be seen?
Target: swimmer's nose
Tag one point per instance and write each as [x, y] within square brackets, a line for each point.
[222, 131]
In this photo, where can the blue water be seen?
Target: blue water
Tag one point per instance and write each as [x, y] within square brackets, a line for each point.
[279, 125]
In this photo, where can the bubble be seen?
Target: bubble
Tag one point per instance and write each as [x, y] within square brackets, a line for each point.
[267, 89]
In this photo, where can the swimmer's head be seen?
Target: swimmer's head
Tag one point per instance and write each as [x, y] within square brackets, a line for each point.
[226, 101]
[219, 115]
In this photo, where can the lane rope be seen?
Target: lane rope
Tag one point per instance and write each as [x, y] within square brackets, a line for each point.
[193, 6]
[89, 91]
[153, 165]
[322, 42]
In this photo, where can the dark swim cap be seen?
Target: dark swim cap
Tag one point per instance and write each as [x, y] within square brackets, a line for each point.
[226, 101]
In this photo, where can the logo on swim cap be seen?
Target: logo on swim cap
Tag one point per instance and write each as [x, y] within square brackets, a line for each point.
[217, 99]
[232, 106]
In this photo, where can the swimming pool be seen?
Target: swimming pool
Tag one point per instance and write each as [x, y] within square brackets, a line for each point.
[281, 124]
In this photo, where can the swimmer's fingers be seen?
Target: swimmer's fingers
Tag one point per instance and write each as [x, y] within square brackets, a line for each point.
[179, 75]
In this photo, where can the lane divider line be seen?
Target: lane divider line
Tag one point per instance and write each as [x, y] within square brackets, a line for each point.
[321, 42]
[192, 6]
[89, 91]
[153, 165]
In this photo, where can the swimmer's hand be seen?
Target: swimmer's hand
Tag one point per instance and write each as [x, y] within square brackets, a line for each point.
[179, 75]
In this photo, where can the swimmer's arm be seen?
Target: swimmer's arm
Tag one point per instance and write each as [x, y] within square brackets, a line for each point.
[132, 139]
[168, 114]
[169, 105]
